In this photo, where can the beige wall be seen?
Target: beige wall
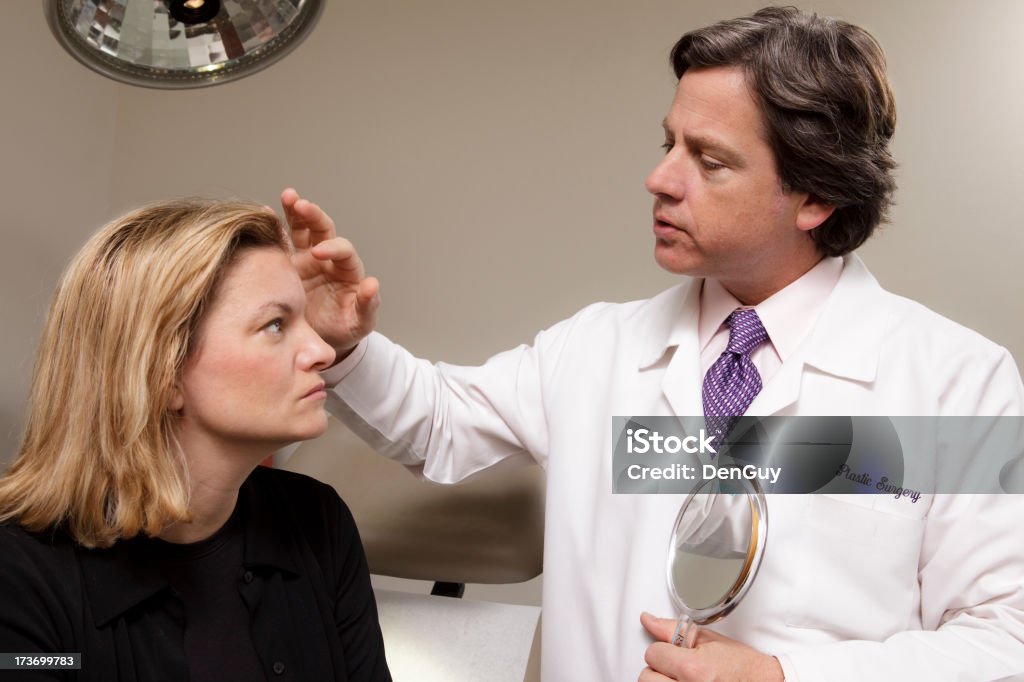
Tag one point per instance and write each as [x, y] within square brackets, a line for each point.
[57, 135]
[488, 158]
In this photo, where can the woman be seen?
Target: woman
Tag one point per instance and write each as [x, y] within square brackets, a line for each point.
[137, 526]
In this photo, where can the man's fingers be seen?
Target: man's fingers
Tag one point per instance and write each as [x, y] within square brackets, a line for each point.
[668, 659]
[309, 224]
[648, 675]
[369, 294]
[367, 303]
[319, 224]
[341, 253]
[662, 629]
[296, 224]
[662, 655]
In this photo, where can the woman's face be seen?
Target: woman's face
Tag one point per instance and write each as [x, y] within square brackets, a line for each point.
[252, 379]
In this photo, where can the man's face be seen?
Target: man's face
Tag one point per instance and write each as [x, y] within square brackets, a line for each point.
[719, 208]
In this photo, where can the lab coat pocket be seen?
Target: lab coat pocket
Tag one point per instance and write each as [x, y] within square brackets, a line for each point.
[857, 569]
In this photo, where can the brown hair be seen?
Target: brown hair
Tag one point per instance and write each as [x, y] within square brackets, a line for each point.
[100, 455]
[828, 108]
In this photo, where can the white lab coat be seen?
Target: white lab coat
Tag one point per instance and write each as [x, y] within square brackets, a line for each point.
[851, 587]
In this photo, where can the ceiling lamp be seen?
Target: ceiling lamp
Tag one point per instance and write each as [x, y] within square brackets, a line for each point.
[180, 43]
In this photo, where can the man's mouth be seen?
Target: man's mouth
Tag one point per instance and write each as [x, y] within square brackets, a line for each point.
[665, 227]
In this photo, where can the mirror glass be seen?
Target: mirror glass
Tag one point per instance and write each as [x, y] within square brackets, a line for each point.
[716, 548]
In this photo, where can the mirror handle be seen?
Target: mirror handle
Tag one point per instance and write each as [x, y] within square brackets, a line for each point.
[686, 632]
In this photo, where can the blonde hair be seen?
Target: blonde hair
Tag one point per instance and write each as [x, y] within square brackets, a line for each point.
[99, 455]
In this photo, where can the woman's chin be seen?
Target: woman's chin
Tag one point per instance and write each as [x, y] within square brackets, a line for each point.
[315, 429]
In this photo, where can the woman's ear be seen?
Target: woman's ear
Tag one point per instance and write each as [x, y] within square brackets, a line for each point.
[177, 399]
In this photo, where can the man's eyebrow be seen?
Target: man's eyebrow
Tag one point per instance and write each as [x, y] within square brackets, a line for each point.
[699, 141]
[721, 150]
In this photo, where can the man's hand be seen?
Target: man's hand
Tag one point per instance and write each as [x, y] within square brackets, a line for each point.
[341, 301]
[714, 658]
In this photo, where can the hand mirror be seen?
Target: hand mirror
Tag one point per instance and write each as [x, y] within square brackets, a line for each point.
[714, 552]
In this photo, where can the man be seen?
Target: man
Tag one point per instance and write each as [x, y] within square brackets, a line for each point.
[776, 168]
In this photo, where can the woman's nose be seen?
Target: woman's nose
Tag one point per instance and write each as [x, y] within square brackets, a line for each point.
[317, 353]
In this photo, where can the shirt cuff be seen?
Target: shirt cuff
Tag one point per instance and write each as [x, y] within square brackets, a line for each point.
[788, 669]
[333, 375]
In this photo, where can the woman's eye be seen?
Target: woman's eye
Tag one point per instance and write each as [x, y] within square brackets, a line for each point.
[667, 146]
[275, 326]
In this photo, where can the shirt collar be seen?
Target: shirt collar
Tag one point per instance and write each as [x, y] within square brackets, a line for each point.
[716, 304]
[787, 315]
[845, 341]
[123, 576]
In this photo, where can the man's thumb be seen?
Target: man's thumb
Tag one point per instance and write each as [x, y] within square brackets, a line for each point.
[661, 629]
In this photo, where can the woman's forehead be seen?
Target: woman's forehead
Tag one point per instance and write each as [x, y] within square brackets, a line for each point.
[260, 277]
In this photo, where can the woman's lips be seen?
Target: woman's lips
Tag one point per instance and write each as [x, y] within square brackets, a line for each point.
[317, 392]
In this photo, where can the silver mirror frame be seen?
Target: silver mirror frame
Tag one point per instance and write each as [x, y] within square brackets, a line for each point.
[755, 552]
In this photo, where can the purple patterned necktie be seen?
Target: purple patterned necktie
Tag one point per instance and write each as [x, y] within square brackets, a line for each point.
[732, 382]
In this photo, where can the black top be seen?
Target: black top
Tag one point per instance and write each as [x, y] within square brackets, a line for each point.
[205, 575]
[304, 584]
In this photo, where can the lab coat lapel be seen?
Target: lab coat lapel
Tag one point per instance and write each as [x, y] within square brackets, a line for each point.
[845, 342]
[681, 384]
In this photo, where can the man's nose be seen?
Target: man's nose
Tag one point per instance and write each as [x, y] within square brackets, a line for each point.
[666, 177]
